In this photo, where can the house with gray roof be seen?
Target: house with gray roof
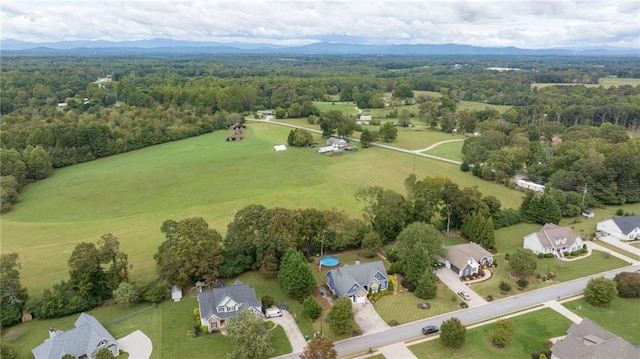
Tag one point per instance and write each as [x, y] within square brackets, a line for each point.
[625, 228]
[553, 239]
[588, 340]
[221, 304]
[467, 258]
[357, 281]
[84, 341]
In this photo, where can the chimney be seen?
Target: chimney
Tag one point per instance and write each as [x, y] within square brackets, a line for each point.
[52, 332]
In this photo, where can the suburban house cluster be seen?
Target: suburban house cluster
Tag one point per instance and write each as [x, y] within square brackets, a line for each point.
[553, 239]
[357, 281]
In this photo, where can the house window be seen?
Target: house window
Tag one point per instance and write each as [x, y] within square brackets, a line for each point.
[222, 309]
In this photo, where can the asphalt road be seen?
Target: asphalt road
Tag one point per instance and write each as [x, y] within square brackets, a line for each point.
[468, 316]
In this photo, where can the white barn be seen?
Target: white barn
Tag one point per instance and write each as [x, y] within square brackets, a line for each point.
[625, 228]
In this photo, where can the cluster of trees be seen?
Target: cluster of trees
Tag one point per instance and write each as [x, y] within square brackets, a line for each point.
[95, 271]
[20, 168]
[603, 161]
[13, 296]
[602, 291]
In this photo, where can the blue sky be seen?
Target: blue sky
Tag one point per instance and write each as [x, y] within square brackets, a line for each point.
[524, 24]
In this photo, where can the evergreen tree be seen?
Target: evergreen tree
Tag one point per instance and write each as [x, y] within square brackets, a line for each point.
[428, 286]
[453, 333]
[523, 262]
[340, 316]
[295, 276]
[311, 308]
[416, 263]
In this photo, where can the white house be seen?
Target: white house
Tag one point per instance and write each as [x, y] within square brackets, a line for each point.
[553, 239]
[625, 228]
[364, 120]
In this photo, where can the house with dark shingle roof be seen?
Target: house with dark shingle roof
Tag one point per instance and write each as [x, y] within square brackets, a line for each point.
[467, 258]
[221, 304]
[84, 341]
[553, 239]
[356, 281]
[588, 340]
[625, 228]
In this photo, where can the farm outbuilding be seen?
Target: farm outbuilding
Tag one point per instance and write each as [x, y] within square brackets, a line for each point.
[538, 188]
[279, 148]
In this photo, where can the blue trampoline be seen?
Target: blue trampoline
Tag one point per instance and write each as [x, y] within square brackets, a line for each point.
[329, 261]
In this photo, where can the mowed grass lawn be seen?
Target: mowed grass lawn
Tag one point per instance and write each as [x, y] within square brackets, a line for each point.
[604, 82]
[347, 108]
[169, 325]
[622, 317]
[403, 306]
[531, 332]
[132, 194]
[510, 238]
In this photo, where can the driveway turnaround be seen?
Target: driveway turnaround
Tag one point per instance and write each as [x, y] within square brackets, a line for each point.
[137, 344]
[288, 323]
[451, 280]
[368, 319]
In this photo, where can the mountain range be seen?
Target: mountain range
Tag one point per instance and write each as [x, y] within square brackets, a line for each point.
[170, 46]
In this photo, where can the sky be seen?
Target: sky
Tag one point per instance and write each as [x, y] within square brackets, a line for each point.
[520, 23]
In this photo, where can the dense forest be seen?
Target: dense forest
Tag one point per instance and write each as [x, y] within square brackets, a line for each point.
[61, 110]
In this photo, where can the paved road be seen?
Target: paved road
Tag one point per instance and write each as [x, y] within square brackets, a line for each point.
[490, 310]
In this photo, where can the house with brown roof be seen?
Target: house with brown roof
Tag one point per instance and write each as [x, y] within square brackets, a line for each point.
[553, 239]
[588, 340]
[467, 258]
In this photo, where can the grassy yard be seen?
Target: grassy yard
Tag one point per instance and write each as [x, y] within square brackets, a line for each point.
[132, 194]
[403, 306]
[450, 150]
[510, 238]
[531, 332]
[622, 317]
[452, 240]
[169, 326]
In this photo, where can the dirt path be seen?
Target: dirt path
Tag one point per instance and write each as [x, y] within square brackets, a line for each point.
[439, 143]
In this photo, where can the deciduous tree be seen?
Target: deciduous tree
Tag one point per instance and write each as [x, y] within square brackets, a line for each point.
[453, 333]
[86, 275]
[600, 291]
[388, 132]
[13, 295]
[523, 262]
[249, 336]
[191, 253]
[319, 348]
[311, 308]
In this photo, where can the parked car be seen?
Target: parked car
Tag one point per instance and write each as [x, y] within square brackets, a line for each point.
[430, 329]
[272, 312]
[464, 295]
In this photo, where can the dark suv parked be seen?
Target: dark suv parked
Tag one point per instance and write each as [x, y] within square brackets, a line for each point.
[430, 329]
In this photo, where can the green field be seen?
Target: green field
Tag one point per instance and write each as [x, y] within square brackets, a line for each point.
[132, 194]
[531, 332]
[348, 108]
[622, 317]
[403, 306]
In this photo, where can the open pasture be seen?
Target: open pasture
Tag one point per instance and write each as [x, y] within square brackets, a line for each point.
[604, 82]
[132, 194]
[347, 108]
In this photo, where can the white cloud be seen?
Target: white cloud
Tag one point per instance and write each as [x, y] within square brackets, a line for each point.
[527, 24]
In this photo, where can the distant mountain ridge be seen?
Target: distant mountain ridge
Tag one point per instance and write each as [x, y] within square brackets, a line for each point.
[160, 45]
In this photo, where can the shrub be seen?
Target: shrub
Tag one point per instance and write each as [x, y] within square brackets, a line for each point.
[504, 286]
[464, 305]
[392, 254]
[395, 267]
[311, 308]
[566, 254]
[551, 275]
[393, 323]
[628, 284]
[503, 333]
[490, 298]
[522, 283]
[507, 256]
[543, 278]
[267, 301]
[619, 212]
[600, 291]
[548, 255]
[204, 329]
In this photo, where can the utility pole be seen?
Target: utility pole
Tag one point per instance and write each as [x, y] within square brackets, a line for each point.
[584, 193]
